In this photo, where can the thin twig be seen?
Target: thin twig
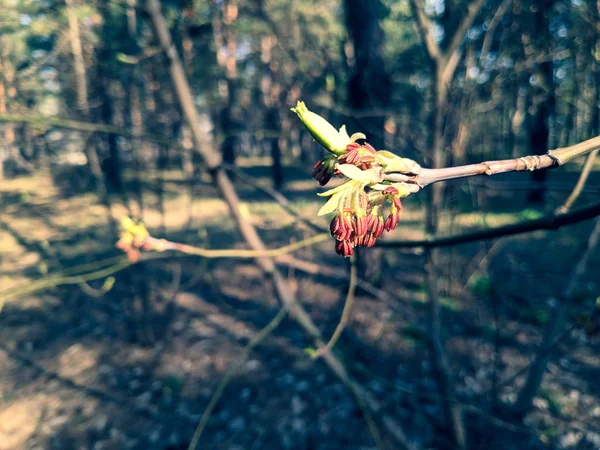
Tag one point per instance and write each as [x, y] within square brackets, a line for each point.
[256, 340]
[345, 312]
[491, 28]
[275, 195]
[77, 274]
[583, 177]
[550, 222]
[538, 367]
[163, 244]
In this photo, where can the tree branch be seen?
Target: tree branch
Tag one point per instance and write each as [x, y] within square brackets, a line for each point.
[554, 158]
[256, 340]
[459, 35]
[537, 368]
[550, 222]
[346, 311]
[583, 176]
[489, 35]
[77, 125]
[424, 26]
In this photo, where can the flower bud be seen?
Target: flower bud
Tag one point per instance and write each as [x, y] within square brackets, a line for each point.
[344, 248]
[323, 132]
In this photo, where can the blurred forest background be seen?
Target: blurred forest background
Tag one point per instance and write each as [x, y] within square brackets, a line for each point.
[486, 344]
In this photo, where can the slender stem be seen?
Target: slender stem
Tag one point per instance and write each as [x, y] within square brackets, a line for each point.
[256, 340]
[345, 312]
[550, 222]
[566, 154]
[583, 176]
[163, 244]
[537, 368]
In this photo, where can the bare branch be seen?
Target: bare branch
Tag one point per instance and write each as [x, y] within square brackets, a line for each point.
[346, 311]
[256, 340]
[77, 125]
[466, 23]
[550, 222]
[537, 368]
[424, 25]
[583, 176]
[554, 158]
[275, 195]
[489, 35]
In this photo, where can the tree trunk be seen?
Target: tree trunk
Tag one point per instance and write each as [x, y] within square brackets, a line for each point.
[82, 98]
[225, 48]
[7, 147]
[112, 163]
[270, 95]
[369, 85]
[544, 101]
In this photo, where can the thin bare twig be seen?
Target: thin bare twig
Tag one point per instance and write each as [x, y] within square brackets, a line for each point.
[163, 244]
[256, 340]
[538, 366]
[275, 195]
[489, 34]
[345, 312]
[583, 177]
[424, 26]
[550, 222]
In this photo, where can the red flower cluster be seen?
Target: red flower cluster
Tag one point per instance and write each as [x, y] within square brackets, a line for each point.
[394, 216]
[322, 171]
[361, 156]
[360, 221]
[355, 229]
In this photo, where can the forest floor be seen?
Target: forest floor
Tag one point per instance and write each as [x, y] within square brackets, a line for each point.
[135, 367]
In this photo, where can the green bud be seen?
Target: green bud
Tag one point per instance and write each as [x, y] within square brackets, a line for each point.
[323, 132]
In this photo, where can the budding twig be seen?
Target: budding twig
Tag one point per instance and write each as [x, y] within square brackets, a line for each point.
[554, 158]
